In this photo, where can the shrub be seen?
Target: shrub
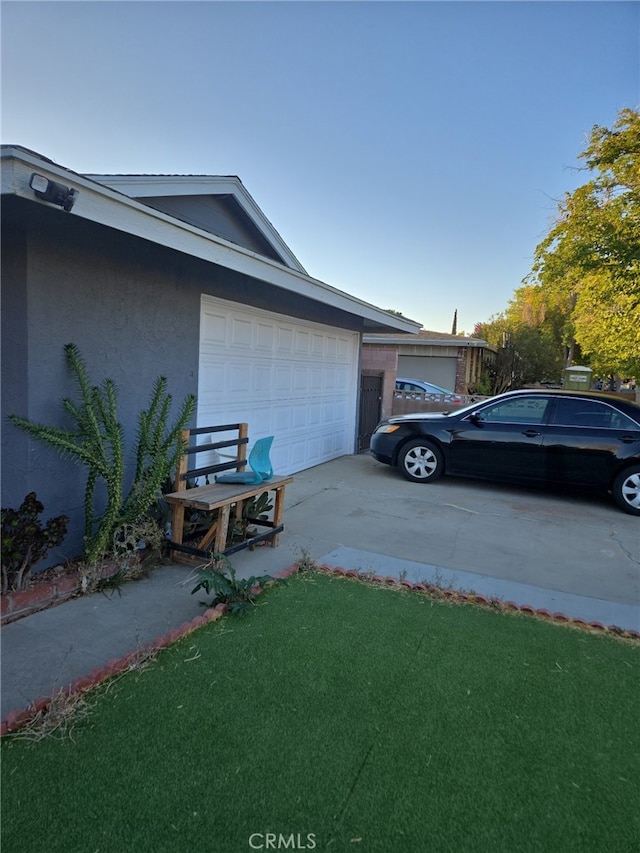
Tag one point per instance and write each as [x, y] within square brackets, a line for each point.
[239, 594]
[25, 542]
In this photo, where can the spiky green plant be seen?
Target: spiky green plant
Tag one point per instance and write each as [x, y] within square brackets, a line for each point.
[239, 594]
[98, 443]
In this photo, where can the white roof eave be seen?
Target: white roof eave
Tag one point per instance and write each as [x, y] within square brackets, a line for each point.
[105, 206]
[395, 340]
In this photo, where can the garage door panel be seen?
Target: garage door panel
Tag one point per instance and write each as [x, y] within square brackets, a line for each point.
[282, 379]
[295, 380]
[241, 334]
[214, 328]
[285, 340]
[316, 376]
[302, 341]
[299, 418]
[238, 379]
[282, 419]
[298, 454]
[440, 370]
[265, 336]
[214, 369]
[314, 415]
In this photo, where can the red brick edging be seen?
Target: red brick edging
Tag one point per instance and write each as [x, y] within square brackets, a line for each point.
[15, 605]
[40, 596]
[16, 719]
[474, 598]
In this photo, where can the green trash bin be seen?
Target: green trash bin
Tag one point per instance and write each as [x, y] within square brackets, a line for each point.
[577, 378]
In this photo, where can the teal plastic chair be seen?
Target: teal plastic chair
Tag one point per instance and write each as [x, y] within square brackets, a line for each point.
[259, 463]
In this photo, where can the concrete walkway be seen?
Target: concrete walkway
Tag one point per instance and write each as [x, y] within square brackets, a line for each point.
[576, 555]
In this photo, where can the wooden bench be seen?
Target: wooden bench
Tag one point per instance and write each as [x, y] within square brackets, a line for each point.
[224, 498]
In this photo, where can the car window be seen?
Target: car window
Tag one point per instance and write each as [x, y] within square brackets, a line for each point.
[415, 389]
[519, 410]
[572, 411]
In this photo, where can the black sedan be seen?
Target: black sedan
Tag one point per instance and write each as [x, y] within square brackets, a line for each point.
[573, 438]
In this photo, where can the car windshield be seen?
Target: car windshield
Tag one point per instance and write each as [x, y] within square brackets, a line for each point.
[460, 410]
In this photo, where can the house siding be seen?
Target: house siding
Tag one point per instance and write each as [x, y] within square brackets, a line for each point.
[133, 309]
[382, 360]
[122, 316]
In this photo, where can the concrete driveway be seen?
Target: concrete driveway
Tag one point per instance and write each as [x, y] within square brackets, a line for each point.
[362, 511]
[567, 553]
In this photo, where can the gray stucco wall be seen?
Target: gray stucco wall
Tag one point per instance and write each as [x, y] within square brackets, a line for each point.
[221, 216]
[132, 308]
[65, 281]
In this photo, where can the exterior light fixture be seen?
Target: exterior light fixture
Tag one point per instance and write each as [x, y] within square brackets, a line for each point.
[53, 192]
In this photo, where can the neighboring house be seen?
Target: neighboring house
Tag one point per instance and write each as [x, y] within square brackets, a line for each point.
[180, 276]
[454, 362]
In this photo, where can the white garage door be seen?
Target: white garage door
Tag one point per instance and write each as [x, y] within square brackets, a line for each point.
[288, 378]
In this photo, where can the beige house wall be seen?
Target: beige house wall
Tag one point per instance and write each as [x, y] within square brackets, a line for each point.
[382, 361]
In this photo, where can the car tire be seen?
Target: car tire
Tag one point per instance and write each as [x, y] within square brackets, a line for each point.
[420, 461]
[626, 490]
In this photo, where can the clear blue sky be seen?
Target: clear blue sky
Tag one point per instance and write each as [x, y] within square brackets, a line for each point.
[409, 153]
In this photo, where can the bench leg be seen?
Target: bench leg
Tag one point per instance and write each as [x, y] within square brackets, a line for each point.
[278, 514]
[221, 532]
[177, 523]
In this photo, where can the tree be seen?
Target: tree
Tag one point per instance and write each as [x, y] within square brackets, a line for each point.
[588, 266]
[525, 353]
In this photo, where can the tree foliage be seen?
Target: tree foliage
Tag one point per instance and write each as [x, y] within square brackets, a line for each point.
[525, 352]
[587, 269]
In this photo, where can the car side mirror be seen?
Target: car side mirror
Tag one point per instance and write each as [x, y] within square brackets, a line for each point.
[476, 419]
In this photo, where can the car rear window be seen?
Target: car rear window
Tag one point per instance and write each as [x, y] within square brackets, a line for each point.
[590, 413]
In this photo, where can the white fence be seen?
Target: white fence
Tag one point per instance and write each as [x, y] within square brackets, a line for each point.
[410, 402]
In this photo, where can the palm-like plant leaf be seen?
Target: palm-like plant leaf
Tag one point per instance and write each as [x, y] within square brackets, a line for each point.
[98, 443]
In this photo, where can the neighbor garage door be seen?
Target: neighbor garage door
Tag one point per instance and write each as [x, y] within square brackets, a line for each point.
[288, 378]
[438, 370]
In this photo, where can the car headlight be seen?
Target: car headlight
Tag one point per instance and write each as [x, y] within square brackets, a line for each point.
[387, 428]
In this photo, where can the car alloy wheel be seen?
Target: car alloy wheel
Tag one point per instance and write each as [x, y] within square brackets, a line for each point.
[421, 462]
[626, 490]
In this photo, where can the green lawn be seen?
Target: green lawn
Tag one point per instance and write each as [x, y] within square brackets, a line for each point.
[346, 716]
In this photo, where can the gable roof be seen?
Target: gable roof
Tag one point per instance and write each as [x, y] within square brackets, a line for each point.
[225, 189]
[110, 207]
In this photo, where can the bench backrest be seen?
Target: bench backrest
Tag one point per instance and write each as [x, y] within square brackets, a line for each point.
[238, 438]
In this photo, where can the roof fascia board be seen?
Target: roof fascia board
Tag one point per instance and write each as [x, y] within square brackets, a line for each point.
[106, 206]
[419, 341]
[181, 185]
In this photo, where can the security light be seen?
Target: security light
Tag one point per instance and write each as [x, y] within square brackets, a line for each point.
[39, 183]
[53, 192]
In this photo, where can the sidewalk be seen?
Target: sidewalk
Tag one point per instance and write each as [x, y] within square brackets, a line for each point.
[355, 514]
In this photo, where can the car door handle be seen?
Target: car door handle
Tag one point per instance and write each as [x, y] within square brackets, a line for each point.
[531, 433]
[628, 439]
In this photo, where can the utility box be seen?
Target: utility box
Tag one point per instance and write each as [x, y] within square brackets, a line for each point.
[577, 378]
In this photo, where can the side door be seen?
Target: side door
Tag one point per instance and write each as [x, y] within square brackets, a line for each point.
[502, 440]
[585, 439]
